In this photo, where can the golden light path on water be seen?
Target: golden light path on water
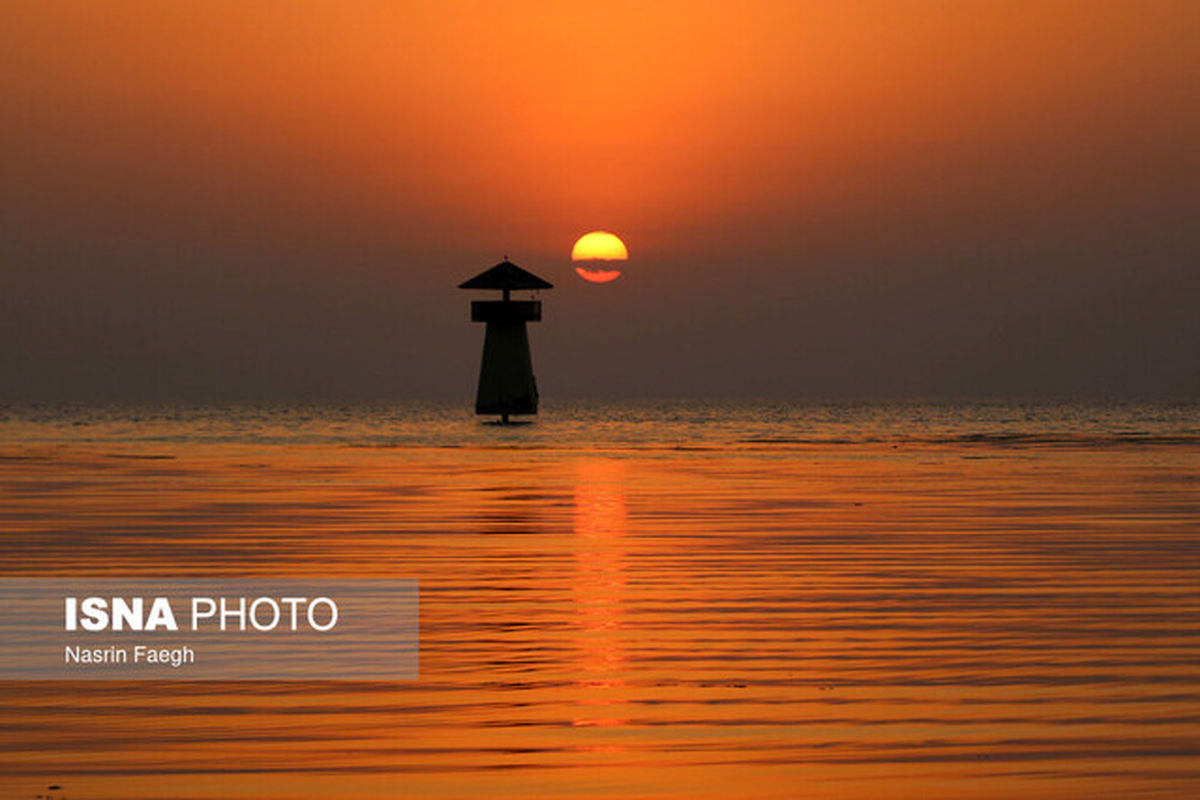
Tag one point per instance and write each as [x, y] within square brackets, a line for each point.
[781, 618]
[599, 588]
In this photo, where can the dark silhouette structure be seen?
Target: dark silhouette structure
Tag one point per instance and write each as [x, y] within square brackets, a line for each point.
[506, 382]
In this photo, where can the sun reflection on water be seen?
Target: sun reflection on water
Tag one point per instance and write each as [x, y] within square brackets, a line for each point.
[599, 585]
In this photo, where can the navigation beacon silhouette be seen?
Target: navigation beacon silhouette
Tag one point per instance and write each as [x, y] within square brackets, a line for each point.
[506, 382]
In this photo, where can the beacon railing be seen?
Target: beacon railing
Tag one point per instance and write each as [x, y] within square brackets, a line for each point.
[506, 310]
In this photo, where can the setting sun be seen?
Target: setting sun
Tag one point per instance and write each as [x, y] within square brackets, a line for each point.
[599, 246]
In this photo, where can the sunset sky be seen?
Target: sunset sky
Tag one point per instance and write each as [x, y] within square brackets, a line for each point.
[276, 201]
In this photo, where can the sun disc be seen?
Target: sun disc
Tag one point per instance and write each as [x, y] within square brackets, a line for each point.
[599, 246]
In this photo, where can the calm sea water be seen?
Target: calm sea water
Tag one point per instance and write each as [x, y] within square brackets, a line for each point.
[584, 425]
[643, 600]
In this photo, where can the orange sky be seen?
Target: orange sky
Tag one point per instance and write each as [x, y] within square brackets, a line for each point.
[786, 135]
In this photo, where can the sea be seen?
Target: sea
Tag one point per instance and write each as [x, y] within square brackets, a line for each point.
[659, 599]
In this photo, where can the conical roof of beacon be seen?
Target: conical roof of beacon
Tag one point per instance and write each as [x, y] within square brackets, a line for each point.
[506, 275]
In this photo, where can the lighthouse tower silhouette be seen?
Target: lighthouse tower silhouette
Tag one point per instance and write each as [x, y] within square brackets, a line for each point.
[506, 382]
